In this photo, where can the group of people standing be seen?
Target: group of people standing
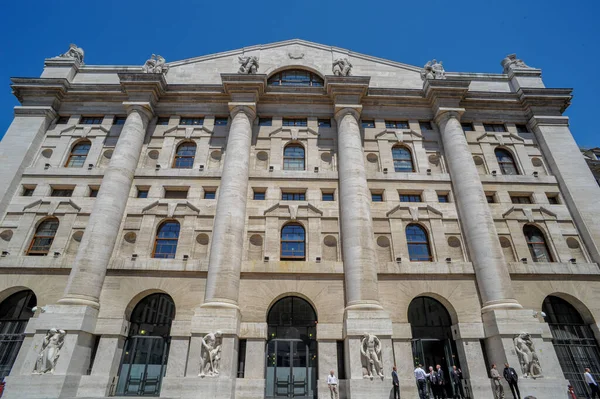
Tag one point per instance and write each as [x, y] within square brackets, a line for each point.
[435, 381]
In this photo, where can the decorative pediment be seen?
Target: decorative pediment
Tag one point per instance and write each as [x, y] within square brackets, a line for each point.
[187, 131]
[500, 138]
[293, 133]
[84, 131]
[293, 211]
[52, 206]
[414, 212]
[529, 213]
[399, 135]
[171, 208]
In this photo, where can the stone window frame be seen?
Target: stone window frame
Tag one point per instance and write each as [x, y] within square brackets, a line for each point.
[293, 144]
[410, 153]
[281, 241]
[160, 224]
[176, 155]
[71, 156]
[547, 243]
[512, 156]
[35, 235]
[431, 257]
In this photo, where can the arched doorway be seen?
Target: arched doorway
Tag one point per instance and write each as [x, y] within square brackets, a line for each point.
[432, 342]
[15, 312]
[146, 350]
[574, 342]
[291, 349]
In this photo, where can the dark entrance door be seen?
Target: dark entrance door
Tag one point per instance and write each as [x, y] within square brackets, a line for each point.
[573, 341]
[432, 337]
[145, 353]
[291, 369]
[15, 312]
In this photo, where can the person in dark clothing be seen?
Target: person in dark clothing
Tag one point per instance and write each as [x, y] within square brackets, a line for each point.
[441, 381]
[510, 375]
[396, 382]
[456, 376]
[434, 383]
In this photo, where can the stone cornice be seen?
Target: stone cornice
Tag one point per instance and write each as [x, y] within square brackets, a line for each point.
[143, 87]
[23, 110]
[39, 91]
[347, 89]
[545, 101]
[244, 88]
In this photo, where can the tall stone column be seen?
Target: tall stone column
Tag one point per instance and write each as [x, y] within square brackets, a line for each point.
[99, 238]
[225, 261]
[491, 272]
[358, 246]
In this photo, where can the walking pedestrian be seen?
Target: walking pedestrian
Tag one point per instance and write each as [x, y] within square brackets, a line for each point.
[441, 382]
[421, 379]
[592, 383]
[456, 377]
[396, 382]
[332, 382]
[498, 388]
[510, 375]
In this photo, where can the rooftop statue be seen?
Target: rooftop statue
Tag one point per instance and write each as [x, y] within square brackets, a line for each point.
[249, 65]
[156, 64]
[341, 67]
[511, 61]
[73, 52]
[433, 70]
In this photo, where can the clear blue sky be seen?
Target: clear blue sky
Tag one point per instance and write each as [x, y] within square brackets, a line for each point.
[561, 37]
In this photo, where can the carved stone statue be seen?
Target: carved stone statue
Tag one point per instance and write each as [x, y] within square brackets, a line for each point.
[511, 61]
[249, 65]
[530, 363]
[433, 70]
[210, 356]
[46, 361]
[370, 351]
[156, 64]
[341, 67]
[73, 52]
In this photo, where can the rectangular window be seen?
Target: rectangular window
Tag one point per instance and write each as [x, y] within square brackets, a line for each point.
[293, 196]
[410, 198]
[119, 120]
[367, 123]
[176, 194]
[494, 127]
[188, 121]
[376, 197]
[61, 192]
[28, 191]
[522, 128]
[162, 121]
[63, 120]
[467, 127]
[443, 198]
[93, 192]
[221, 121]
[425, 125]
[210, 194]
[520, 199]
[259, 196]
[294, 122]
[241, 358]
[327, 196]
[265, 121]
[490, 198]
[324, 122]
[142, 193]
[396, 124]
[90, 120]
[553, 199]
[341, 374]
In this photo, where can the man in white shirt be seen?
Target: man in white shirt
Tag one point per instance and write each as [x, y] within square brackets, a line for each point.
[332, 382]
[589, 379]
[421, 378]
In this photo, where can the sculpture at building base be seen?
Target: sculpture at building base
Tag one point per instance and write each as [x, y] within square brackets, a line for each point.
[370, 351]
[511, 61]
[46, 361]
[73, 52]
[433, 70]
[530, 363]
[341, 67]
[156, 64]
[249, 65]
[210, 354]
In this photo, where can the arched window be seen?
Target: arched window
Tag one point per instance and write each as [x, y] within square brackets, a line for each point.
[165, 244]
[293, 157]
[184, 157]
[402, 159]
[418, 243]
[79, 153]
[295, 77]
[43, 237]
[506, 162]
[536, 241]
[15, 312]
[293, 242]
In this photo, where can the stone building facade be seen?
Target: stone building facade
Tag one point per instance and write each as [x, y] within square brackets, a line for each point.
[592, 157]
[239, 224]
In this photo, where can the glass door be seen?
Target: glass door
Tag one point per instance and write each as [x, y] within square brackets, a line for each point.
[291, 369]
[143, 365]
